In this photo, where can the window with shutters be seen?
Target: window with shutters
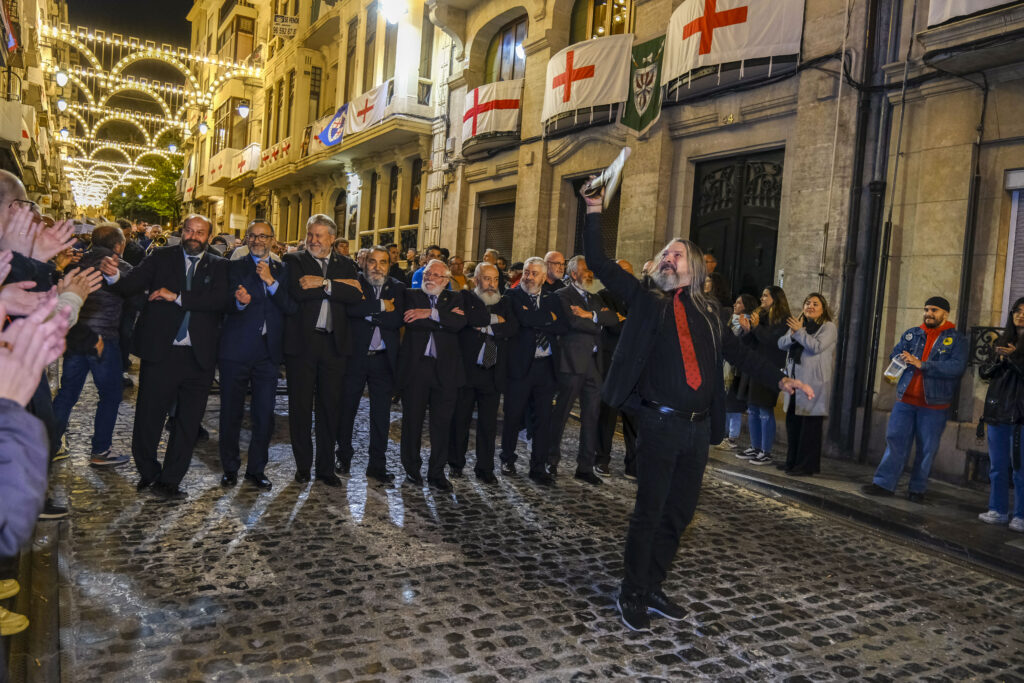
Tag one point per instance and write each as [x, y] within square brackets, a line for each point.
[315, 84]
[1013, 287]
[506, 59]
[349, 91]
[390, 49]
[291, 103]
[370, 48]
[497, 221]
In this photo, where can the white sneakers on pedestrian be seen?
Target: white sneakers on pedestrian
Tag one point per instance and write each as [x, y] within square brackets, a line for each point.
[761, 458]
[728, 445]
[1017, 524]
[747, 454]
[993, 517]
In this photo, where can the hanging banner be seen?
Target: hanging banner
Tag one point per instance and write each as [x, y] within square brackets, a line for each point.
[367, 109]
[333, 130]
[941, 11]
[493, 108]
[588, 74]
[643, 108]
[712, 32]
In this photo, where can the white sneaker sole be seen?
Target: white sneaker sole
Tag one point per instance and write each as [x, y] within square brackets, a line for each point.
[990, 520]
[658, 611]
[626, 623]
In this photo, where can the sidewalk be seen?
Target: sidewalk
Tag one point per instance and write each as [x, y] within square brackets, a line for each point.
[947, 521]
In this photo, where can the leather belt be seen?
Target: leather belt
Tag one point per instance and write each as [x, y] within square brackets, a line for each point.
[665, 410]
[377, 352]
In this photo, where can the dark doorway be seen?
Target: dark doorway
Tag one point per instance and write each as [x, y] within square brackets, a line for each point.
[497, 221]
[736, 217]
[341, 213]
[609, 222]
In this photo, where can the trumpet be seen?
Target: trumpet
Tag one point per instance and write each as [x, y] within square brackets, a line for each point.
[160, 240]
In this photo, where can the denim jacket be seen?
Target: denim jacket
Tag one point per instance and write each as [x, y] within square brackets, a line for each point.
[942, 370]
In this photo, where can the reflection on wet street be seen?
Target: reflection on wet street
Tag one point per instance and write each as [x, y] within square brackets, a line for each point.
[500, 582]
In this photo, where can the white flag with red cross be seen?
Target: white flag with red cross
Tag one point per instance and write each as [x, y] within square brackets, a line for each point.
[367, 109]
[493, 108]
[588, 74]
[707, 32]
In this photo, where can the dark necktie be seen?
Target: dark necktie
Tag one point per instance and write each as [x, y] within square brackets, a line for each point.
[539, 336]
[686, 343]
[189, 274]
[323, 321]
[490, 357]
[375, 339]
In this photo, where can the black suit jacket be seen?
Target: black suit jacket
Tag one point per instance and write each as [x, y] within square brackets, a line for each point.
[390, 322]
[159, 322]
[548, 319]
[576, 345]
[446, 340]
[242, 338]
[301, 325]
[471, 340]
[610, 334]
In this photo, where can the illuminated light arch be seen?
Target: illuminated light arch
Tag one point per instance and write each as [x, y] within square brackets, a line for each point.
[130, 59]
[80, 46]
[81, 119]
[155, 153]
[68, 143]
[119, 117]
[138, 87]
[168, 127]
[101, 147]
[82, 87]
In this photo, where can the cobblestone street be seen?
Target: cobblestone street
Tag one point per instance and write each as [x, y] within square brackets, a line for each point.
[510, 582]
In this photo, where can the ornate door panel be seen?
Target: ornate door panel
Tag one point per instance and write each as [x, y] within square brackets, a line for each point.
[736, 217]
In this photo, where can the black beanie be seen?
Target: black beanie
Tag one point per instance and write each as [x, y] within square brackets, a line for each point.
[938, 302]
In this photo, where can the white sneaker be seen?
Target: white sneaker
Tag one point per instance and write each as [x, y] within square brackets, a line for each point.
[992, 517]
[761, 458]
[728, 445]
[1017, 524]
[747, 454]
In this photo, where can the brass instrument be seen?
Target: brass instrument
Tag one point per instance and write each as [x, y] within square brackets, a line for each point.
[161, 239]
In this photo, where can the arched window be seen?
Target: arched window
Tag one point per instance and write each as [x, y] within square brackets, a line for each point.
[506, 59]
[600, 18]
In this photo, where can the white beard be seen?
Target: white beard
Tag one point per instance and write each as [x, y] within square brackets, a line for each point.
[489, 298]
[375, 280]
[592, 287]
[430, 289]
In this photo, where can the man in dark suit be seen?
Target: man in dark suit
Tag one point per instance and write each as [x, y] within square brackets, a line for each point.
[394, 270]
[579, 368]
[316, 346]
[430, 366]
[531, 368]
[176, 338]
[484, 357]
[374, 323]
[251, 353]
[555, 276]
[609, 415]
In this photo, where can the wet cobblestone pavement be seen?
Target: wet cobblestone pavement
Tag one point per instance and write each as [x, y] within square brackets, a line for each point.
[510, 582]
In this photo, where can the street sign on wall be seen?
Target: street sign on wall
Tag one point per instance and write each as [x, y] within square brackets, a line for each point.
[285, 26]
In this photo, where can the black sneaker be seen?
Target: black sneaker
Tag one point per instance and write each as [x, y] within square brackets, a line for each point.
[659, 603]
[915, 497]
[53, 511]
[588, 477]
[508, 469]
[874, 489]
[602, 470]
[633, 610]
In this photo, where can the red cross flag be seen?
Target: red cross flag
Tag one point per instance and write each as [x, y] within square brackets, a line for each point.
[707, 32]
[367, 109]
[588, 74]
[493, 108]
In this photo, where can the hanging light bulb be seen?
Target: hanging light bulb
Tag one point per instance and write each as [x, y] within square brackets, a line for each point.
[243, 110]
[61, 77]
[393, 10]
[173, 147]
[62, 104]
[124, 194]
[64, 133]
[140, 196]
[203, 128]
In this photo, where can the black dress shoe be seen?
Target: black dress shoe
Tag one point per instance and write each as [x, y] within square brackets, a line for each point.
[168, 491]
[261, 482]
[918, 497]
[659, 603]
[799, 473]
[229, 479]
[302, 477]
[542, 478]
[486, 477]
[143, 485]
[203, 435]
[440, 483]
[455, 472]
[329, 479]
[602, 470]
[874, 489]
[588, 477]
[553, 471]
[414, 479]
[508, 469]
[342, 468]
[382, 477]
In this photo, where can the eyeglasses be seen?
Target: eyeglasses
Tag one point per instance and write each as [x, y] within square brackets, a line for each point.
[556, 263]
[435, 276]
[260, 238]
[28, 203]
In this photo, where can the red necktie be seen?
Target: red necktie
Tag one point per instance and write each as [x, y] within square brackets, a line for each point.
[686, 343]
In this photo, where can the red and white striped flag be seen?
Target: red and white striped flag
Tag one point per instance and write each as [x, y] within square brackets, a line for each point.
[706, 32]
[588, 74]
[493, 108]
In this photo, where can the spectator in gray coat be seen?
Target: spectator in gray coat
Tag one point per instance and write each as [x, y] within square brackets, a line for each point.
[810, 345]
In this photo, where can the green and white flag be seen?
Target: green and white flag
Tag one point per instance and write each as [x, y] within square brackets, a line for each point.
[644, 104]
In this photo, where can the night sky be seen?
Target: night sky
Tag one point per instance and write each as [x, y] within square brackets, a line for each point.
[162, 21]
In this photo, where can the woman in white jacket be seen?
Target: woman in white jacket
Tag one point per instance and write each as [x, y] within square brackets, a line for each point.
[810, 346]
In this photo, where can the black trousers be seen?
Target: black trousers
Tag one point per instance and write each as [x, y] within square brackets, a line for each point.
[375, 371]
[585, 386]
[314, 378]
[485, 399]
[606, 435]
[804, 434]
[180, 380]
[423, 390]
[671, 456]
[235, 378]
[539, 384]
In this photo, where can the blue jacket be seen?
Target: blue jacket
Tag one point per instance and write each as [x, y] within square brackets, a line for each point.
[946, 363]
[241, 338]
[23, 461]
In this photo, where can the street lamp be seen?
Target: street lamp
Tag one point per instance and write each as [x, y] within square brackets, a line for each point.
[65, 133]
[203, 128]
[124, 194]
[62, 104]
[243, 110]
[173, 147]
[61, 77]
[393, 10]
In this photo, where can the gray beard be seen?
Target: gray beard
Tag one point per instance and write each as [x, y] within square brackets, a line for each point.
[591, 287]
[523, 286]
[431, 290]
[666, 280]
[489, 298]
[375, 280]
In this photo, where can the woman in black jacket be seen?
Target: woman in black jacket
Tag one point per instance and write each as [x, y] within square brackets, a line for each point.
[765, 326]
[1004, 415]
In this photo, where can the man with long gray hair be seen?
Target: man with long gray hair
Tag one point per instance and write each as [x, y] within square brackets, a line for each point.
[667, 372]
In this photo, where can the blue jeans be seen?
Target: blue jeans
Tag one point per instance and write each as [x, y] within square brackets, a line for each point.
[733, 422]
[106, 375]
[907, 422]
[1000, 444]
[761, 422]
